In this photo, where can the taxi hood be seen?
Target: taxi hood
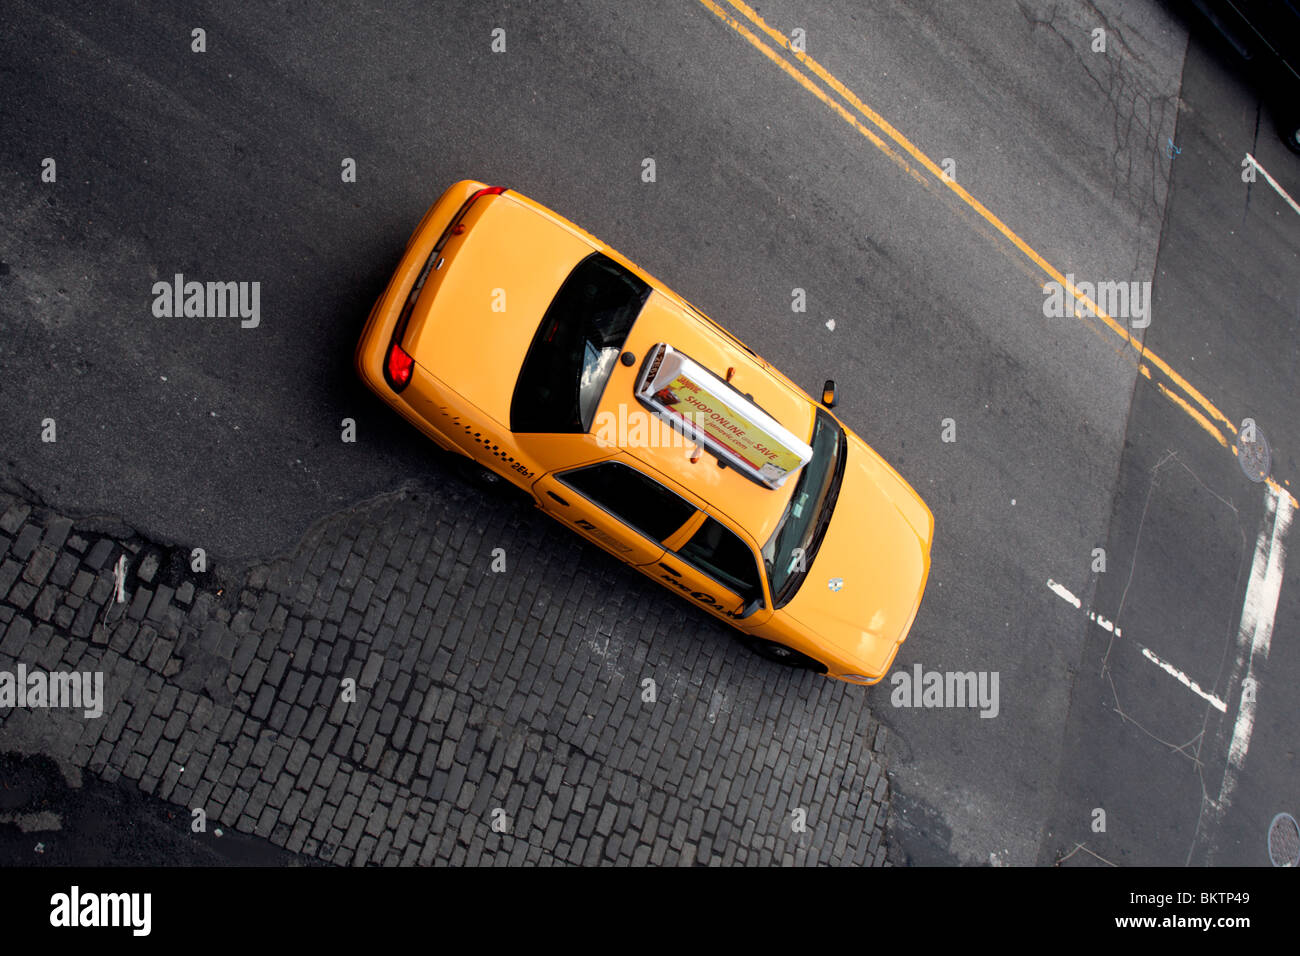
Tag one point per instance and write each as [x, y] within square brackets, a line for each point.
[864, 586]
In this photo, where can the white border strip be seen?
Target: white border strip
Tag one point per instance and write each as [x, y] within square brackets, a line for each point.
[1273, 182]
[1256, 629]
[1186, 681]
[1064, 594]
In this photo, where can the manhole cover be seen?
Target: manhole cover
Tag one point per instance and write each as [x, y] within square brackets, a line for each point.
[1254, 456]
[1284, 841]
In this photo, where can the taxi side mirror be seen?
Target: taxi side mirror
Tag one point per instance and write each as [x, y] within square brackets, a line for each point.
[828, 393]
[751, 607]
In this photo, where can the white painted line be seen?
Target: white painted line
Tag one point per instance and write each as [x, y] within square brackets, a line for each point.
[1255, 632]
[1104, 623]
[1101, 621]
[119, 580]
[1064, 593]
[1273, 182]
[1186, 681]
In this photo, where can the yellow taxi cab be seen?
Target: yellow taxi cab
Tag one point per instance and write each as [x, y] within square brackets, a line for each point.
[513, 338]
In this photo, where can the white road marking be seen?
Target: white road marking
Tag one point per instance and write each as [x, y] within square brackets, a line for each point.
[1186, 681]
[1273, 182]
[1104, 623]
[1066, 595]
[1063, 593]
[1255, 632]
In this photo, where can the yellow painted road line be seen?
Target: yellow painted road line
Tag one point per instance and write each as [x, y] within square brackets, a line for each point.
[1272, 483]
[812, 88]
[871, 115]
[1196, 415]
[826, 76]
[1208, 414]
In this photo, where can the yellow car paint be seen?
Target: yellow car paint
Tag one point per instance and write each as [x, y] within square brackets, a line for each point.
[467, 332]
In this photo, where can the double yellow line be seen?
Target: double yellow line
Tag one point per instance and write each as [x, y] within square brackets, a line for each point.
[912, 161]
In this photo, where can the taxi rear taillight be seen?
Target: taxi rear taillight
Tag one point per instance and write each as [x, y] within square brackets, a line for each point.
[398, 367]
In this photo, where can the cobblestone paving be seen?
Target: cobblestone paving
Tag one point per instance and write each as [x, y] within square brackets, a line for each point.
[500, 717]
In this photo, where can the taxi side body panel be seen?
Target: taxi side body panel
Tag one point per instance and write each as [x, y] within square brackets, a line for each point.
[655, 559]
[572, 508]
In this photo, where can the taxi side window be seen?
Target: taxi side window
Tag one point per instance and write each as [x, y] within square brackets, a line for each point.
[633, 498]
[720, 554]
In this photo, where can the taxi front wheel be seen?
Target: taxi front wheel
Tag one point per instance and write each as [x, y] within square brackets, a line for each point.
[780, 654]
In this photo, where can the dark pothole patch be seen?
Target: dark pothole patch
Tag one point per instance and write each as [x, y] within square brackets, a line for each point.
[113, 824]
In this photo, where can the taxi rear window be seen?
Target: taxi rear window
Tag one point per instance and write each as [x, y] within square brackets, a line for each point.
[575, 347]
[632, 497]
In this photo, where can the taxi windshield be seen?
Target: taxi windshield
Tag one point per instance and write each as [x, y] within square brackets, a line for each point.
[575, 347]
[789, 553]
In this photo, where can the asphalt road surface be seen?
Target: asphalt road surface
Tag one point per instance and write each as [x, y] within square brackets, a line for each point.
[795, 146]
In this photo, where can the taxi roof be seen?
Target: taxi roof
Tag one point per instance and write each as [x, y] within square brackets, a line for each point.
[664, 318]
[515, 236]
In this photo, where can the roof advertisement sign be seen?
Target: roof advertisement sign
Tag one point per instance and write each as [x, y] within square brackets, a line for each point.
[714, 414]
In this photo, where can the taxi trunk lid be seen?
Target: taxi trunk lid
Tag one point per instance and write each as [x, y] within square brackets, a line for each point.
[479, 309]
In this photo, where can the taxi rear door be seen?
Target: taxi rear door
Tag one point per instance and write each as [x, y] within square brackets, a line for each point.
[616, 506]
